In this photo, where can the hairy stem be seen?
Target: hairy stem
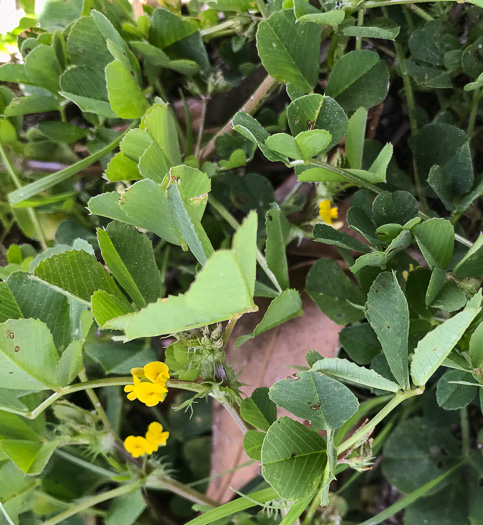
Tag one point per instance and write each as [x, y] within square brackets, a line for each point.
[96, 404]
[99, 383]
[365, 430]
[181, 490]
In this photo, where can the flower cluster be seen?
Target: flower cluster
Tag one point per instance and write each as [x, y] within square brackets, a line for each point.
[149, 384]
[326, 212]
[139, 445]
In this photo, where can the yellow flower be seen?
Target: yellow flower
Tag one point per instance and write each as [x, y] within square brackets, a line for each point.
[133, 389]
[326, 212]
[157, 372]
[138, 446]
[150, 393]
[138, 372]
[156, 436]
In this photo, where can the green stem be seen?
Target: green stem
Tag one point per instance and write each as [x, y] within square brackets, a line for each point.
[262, 8]
[96, 404]
[91, 502]
[365, 430]
[360, 23]
[474, 110]
[465, 432]
[234, 413]
[49, 181]
[222, 28]
[100, 471]
[181, 490]
[388, 3]
[312, 509]
[99, 383]
[235, 225]
[420, 12]
[204, 105]
[33, 214]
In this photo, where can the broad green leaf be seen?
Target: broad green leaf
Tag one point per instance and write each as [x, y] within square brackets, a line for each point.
[394, 208]
[360, 342]
[258, 409]
[28, 357]
[446, 146]
[378, 169]
[418, 451]
[39, 301]
[331, 18]
[7, 132]
[43, 68]
[334, 293]
[125, 96]
[293, 459]
[10, 402]
[471, 265]
[317, 112]
[189, 225]
[146, 206]
[252, 443]
[160, 125]
[31, 457]
[432, 41]
[325, 402]
[476, 347]
[284, 145]
[62, 132]
[153, 55]
[344, 370]
[31, 104]
[135, 143]
[106, 306]
[122, 168]
[71, 363]
[284, 307]
[354, 140]
[9, 309]
[119, 358]
[378, 28]
[388, 313]
[129, 256]
[436, 283]
[311, 143]
[12, 72]
[428, 76]
[222, 290]
[277, 225]
[62, 271]
[451, 396]
[153, 163]
[251, 129]
[328, 235]
[450, 298]
[167, 28]
[290, 52]
[436, 345]
[358, 79]
[125, 510]
[435, 238]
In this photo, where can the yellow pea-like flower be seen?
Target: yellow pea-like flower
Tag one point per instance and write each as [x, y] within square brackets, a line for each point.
[156, 436]
[132, 389]
[138, 446]
[150, 393]
[157, 372]
[326, 212]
